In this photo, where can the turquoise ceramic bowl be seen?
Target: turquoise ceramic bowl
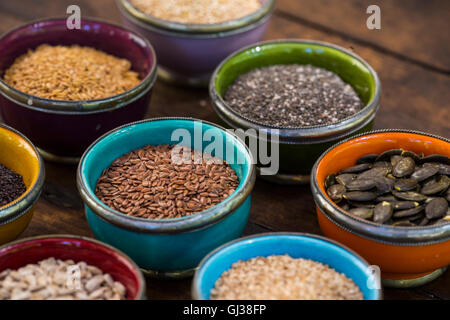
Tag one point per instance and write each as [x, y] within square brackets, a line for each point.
[169, 247]
[297, 245]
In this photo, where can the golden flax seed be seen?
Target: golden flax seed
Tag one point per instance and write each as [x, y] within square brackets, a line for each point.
[72, 73]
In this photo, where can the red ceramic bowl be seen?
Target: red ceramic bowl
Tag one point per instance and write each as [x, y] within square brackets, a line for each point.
[406, 256]
[109, 260]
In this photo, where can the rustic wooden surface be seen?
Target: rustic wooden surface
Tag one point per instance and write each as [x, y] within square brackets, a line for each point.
[410, 54]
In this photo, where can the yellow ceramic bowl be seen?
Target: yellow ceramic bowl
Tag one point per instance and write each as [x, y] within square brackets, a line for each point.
[18, 154]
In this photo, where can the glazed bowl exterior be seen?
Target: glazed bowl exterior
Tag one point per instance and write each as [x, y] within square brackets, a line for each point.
[167, 247]
[18, 154]
[402, 253]
[189, 53]
[110, 260]
[299, 147]
[296, 245]
[64, 129]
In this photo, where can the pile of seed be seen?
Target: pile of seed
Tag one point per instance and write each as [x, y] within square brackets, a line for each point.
[283, 278]
[197, 11]
[11, 185]
[293, 96]
[397, 187]
[146, 183]
[70, 73]
[53, 279]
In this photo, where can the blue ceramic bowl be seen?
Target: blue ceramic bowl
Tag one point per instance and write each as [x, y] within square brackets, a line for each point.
[169, 247]
[297, 245]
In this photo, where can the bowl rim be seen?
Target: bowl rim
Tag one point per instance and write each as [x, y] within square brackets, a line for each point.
[406, 236]
[198, 277]
[194, 29]
[195, 221]
[70, 237]
[81, 106]
[295, 134]
[21, 205]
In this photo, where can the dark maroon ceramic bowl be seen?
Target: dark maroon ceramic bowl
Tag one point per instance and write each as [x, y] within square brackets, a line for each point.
[62, 130]
[189, 53]
[31, 250]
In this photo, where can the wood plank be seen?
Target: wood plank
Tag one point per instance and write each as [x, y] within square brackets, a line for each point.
[413, 98]
[413, 29]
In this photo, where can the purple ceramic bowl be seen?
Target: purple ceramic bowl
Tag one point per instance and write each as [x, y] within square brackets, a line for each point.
[62, 130]
[189, 53]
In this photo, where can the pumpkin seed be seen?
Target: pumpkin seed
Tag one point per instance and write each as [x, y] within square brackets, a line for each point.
[395, 159]
[388, 154]
[361, 184]
[384, 184]
[356, 169]
[436, 208]
[436, 158]
[364, 213]
[330, 180]
[408, 212]
[388, 198]
[382, 212]
[402, 205]
[360, 195]
[405, 184]
[424, 172]
[404, 167]
[345, 178]
[374, 172]
[368, 158]
[409, 196]
[336, 192]
[439, 185]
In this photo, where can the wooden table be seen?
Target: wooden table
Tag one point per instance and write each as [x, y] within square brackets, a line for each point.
[410, 53]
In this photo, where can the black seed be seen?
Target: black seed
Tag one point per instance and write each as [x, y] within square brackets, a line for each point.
[360, 195]
[330, 180]
[368, 158]
[11, 185]
[405, 184]
[345, 178]
[408, 212]
[439, 185]
[388, 154]
[424, 172]
[409, 196]
[364, 213]
[382, 212]
[361, 184]
[356, 169]
[404, 167]
[336, 192]
[402, 205]
[436, 208]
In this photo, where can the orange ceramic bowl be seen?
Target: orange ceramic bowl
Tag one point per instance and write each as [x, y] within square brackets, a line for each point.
[406, 256]
[18, 154]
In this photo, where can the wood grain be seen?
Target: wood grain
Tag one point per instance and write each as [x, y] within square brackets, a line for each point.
[414, 96]
[414, 30]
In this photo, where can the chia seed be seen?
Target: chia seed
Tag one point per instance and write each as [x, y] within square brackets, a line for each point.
[11, 185]
[293, 96]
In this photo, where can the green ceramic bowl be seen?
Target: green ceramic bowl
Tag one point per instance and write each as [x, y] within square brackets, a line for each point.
[299, 147]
